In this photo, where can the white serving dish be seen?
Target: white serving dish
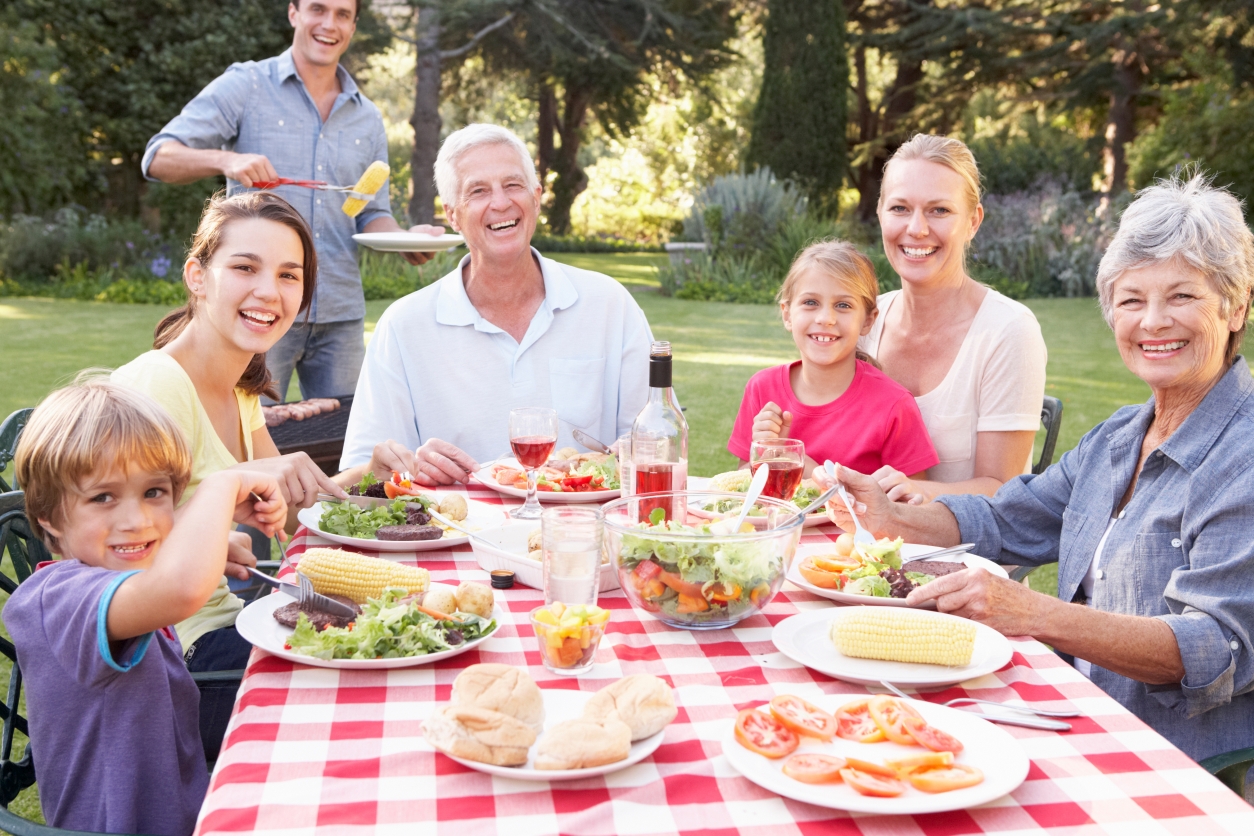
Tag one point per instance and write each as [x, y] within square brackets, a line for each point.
[508, 551]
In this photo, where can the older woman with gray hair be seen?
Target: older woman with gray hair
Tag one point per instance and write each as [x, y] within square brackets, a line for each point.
[506, 328]
[1149, 516]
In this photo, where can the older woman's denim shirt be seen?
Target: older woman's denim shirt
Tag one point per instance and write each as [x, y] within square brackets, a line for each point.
[1183, 552]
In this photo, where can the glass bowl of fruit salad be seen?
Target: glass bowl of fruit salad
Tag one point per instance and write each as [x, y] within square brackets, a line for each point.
[569, 635]
[694, 572]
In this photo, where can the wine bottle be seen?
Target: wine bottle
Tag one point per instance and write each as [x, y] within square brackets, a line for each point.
[659, 443]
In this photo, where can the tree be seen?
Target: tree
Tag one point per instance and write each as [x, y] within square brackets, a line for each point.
[799, 122]
[133, 65]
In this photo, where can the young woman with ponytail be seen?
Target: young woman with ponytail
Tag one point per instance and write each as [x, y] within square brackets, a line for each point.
[250, 272]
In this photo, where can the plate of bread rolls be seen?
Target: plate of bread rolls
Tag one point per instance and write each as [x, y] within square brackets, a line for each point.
[500, 722]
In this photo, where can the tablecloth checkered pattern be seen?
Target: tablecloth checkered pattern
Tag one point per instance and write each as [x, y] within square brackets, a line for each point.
[317, 751]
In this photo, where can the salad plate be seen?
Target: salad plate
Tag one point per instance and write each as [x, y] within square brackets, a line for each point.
[991, 750]
[700, 483]
[479, 515]
[257, 625]
[484, 477]
[804, 638]
[561, 704]
[408, 242]
[909, 551]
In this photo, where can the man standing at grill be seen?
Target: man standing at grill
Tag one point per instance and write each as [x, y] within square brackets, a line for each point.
[297, 115]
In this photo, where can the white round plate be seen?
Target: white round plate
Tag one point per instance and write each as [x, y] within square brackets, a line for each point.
[257, 625]
[986, 747]
[909, 551]
[484, 477]
[804, 638]
[407, 242]
[478, 515]
[508, 551]
[561, 704]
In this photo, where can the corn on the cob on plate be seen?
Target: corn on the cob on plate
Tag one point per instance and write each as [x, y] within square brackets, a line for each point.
[901, 636]
[371, 181]
[355, 576]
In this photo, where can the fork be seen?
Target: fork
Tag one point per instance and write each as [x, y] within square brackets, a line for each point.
[971, 700]
[860, 535]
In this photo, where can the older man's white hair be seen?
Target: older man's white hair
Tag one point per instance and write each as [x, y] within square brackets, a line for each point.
[475, 135]
[1189, 221]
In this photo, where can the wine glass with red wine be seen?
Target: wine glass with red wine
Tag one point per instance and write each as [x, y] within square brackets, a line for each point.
[786, 458]
[532, 436]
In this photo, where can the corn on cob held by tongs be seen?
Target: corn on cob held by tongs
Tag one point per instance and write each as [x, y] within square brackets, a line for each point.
[358, 194]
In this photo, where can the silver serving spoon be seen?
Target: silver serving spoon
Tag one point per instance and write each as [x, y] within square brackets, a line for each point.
[751, 497]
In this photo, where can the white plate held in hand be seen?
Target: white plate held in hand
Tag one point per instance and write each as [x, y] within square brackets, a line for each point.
[407, 242]
[805, 638]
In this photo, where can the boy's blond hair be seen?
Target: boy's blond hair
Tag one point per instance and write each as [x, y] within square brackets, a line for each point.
[90, 425]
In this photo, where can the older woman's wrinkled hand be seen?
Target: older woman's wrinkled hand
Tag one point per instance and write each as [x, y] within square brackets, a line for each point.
[1009, 608]
[871, 503]
[898, 486]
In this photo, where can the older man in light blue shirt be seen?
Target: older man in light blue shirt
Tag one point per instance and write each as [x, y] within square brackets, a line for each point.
[507, 328]
[298, 115]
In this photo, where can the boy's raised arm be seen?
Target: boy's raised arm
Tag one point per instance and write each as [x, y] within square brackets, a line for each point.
[191, 561]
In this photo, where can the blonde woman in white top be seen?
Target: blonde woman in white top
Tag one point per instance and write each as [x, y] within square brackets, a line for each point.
[973, 359]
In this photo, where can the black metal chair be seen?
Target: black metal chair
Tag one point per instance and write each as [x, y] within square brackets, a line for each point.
[9, 432]
[1051, 417]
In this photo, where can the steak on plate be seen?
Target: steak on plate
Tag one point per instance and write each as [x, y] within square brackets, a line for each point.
[409, 532]
[935, 568]
[288, 614]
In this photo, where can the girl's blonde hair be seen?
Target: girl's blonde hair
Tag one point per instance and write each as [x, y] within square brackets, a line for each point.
[220, 211]
[89, 426]
[943, 150]
[843, 262]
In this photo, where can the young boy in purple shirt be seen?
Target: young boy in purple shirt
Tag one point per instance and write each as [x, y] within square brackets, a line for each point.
[113, 712]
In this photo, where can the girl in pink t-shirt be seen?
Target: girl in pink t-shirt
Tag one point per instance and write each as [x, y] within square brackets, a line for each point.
[843, 407]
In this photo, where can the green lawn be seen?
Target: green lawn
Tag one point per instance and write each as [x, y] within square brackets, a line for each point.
[718, 346]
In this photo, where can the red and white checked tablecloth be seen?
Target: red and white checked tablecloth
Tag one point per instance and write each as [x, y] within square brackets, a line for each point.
[317, 751]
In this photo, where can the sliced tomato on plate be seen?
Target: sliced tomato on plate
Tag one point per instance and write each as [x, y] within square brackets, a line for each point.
[931, 737]
[890, 713]
[759, 732]
[878, 786]
[814, 769]
[877, 769]
[400, 485]
[577, 483]
[853, 722]
[945, 778]
[802, 717]
[916, 763]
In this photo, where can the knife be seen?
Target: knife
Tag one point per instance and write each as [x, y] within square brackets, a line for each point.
[318, 602]
[590, 442]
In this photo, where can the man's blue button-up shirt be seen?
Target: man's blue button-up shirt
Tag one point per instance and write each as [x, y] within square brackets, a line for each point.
[262, 107]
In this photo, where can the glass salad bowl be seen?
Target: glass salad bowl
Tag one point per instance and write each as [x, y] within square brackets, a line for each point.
[699, 574]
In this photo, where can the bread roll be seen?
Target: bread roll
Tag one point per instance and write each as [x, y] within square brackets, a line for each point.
[501, 688]
[477, 734]
[581, 743]
[645, 703]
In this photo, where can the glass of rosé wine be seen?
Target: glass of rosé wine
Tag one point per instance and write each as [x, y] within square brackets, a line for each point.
[786, 458]
[532, 437]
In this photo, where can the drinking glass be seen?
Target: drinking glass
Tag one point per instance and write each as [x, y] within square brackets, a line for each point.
[622, 448]
[532, 436]
[786, 458]
[571, 537]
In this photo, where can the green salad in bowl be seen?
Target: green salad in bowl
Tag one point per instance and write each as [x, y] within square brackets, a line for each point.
[693, 574]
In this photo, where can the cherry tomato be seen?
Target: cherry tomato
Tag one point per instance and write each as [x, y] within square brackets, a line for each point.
[877, 769]
[577, 483]
[814, 769]
[889, 713]
[802, 717]
[874, 785]
[759, 732]
[932, 738]
[853, 722]
[945, 778]
[915, 763]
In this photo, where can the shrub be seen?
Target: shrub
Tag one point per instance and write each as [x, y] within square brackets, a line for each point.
[389, 276]
[34, 249]
[589, 244]
[741, 211]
